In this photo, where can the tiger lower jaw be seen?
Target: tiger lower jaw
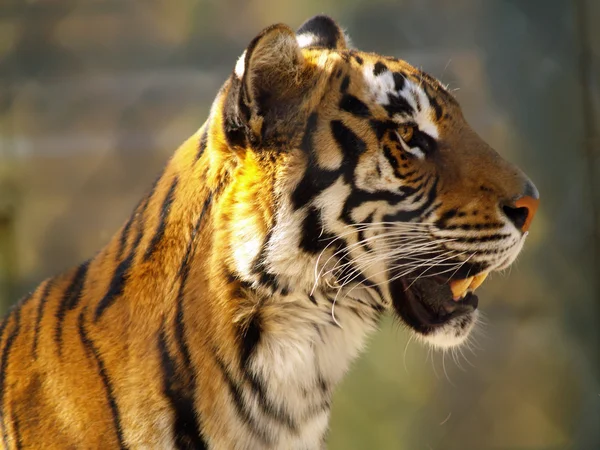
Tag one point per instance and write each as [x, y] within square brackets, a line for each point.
[441, 312]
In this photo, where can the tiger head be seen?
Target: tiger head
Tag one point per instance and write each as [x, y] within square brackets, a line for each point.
[357, 174]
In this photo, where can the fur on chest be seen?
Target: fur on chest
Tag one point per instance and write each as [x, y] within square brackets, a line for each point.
[305, 346]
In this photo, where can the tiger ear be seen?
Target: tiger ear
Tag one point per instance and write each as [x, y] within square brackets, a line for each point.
[322, 31]
[269, 77]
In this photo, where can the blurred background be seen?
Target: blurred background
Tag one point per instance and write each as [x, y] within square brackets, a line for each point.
[96, 94]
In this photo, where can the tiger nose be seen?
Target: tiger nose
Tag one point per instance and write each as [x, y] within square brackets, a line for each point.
[522, 210]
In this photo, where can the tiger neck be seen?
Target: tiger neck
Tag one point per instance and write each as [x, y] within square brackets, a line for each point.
[292, 338]
[283, 351]
[292, 352]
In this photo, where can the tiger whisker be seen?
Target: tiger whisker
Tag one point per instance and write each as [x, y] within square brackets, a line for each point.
[347, 281]
[347, 249]
[361, 262]
[375, 258]
[424, 273]
[367, 257]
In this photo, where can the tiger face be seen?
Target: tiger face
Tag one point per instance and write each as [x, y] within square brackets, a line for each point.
[381, 187]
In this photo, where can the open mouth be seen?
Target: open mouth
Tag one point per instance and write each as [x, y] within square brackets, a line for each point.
[427, 303]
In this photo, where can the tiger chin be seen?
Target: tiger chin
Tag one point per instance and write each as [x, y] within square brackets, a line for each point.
[327, 187]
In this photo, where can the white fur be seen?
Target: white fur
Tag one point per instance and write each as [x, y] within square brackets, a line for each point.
[249, 241]
[305, 39]
[239, 65]
[451, 334]
[300, 348]
[380, 86]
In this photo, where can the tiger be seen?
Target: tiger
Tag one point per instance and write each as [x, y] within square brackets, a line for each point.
[327, 188]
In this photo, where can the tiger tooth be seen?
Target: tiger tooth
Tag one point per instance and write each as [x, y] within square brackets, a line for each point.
[459, 288]
[477, 280]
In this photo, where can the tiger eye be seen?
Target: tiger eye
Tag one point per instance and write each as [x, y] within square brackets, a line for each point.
[406, 132]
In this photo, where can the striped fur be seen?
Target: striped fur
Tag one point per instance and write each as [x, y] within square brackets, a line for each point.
[229, 305]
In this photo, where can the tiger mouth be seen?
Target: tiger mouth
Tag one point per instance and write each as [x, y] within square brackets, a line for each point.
[428, 303]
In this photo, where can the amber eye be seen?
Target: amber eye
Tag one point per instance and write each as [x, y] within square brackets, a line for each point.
[406, 132]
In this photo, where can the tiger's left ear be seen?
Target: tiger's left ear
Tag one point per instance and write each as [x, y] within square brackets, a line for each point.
[267, 77]
[321, 31]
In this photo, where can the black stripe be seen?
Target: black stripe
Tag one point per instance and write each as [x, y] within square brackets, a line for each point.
[123, 237]
[117, 282]
[139, 209]
[409, 174]
[184, 271]
[381, 127]
[475, 226]
[110, 395]
[345, 83]
[315, 179]
[184, 263]
[416, 179]
[40, 314]
[353, 105]
[162, 225]
[180, 322]
[179, 386]
[433, 101]
[10, 340]
[235, 390]
[418, 197]
[5, 321]
[399, 81]
[349, 142]
[433, 207]
[358, 59]
[178, 390]
[397, 104]
[250, 339]
[379, 68]
[314, 238]
[203, 141]
[266, 278]
[69, 301]
[490, 238]
[16, 428]
[361, 235]
[498, 250]
[387, 152]
[323, 385]
[424, 141]
[358, 197]
[407, 216]
[444, 218]
[418, 102]
[274, 411]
